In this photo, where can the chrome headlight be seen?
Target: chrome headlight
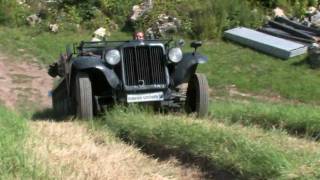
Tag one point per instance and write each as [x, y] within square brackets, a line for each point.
[175, 55]
[113, 57]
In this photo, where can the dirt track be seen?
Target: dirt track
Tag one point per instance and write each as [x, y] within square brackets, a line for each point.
[69, 149]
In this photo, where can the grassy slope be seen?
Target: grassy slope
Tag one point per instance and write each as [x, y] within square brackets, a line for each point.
[45, 46]
[15, 163]
[301, 119]
[254, 72]
[248, 152]
[229, 64]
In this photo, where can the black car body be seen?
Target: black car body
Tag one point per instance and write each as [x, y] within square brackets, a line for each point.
[137, 71]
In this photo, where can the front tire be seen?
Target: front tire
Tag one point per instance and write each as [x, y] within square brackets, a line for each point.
[84, 97]
[198, 95]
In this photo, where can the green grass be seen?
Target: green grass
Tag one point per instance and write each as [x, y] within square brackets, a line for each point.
[15, 162]
[229, 64]
[45, 46]
[254, 72]
[298, 119]
[249, 153]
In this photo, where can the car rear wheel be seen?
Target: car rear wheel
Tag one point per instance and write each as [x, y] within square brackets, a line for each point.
[197, 95]
[84, 98]
[60, 101]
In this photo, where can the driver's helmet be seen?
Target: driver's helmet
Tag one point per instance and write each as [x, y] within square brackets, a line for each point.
[138, 36]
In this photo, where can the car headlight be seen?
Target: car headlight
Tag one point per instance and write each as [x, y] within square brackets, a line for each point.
[175, 55]
[113, 57]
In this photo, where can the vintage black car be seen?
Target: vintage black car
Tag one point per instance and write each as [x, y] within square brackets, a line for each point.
[156, 72]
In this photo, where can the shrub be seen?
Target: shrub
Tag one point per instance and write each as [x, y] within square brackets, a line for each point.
[204, 19]
[11, 13]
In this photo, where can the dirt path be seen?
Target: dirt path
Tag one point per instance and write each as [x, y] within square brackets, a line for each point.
[69, 150]
[23, 82]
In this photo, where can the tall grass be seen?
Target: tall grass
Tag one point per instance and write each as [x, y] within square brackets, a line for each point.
[299, 119]
[15, 163]
[246, 152]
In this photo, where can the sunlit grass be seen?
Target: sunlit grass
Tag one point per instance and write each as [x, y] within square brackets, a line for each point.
[15, 160]
[247, 152]
[297, 119]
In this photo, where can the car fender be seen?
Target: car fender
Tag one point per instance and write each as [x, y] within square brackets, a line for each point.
[85, 63]
[187, 67]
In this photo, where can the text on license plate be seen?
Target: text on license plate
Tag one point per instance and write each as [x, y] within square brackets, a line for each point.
[148, 97]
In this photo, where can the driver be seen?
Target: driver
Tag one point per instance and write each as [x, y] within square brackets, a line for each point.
[138, 36]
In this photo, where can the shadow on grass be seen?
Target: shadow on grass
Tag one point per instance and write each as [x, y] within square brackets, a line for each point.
[312, 64]
[48, 114]
[162, 153]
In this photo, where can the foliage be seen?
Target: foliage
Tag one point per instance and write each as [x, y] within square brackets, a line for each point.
[205, 19]
[11, 13]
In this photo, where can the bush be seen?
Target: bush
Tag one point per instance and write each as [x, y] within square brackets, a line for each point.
[205, 19]
[11, 13]
[212, 18]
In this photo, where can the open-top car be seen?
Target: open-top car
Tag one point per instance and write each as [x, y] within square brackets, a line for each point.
[155, 72]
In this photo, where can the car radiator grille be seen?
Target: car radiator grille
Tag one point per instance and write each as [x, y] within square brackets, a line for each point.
[144, 65]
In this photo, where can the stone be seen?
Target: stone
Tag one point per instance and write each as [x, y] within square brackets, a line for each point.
[100, 34]
[315, 20]
[54, 28]
[21, 2]
[33, 19]
[164, 25]
[311, 10]
[139, 10]
[278, 12]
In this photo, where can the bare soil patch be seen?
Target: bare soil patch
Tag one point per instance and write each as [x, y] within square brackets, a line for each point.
[23, 82]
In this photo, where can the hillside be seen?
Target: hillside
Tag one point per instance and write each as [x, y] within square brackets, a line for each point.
[264, 120]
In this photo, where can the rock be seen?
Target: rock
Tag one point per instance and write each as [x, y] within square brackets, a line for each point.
[100, 34]
[311, 10]
[54, 28]
[278, 12]
[21, 2]
[139, 10]
[33, 19]
[315, 20]
[165, 24]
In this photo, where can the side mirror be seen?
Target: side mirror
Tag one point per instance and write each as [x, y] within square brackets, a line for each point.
[196, 45]
[180, 43]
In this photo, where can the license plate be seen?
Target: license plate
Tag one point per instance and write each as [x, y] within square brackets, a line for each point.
[148, 97]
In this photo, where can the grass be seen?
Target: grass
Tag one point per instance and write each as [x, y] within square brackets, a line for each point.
[15, 162]
[249, 153]
[253, 72]
[229, 64]
[298, 119]
[45, 46]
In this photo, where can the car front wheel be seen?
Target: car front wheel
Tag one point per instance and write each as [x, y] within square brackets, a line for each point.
[198, 95]
[84, 98]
